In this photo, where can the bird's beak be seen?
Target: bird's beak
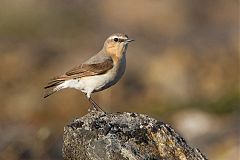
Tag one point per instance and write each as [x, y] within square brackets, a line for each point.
[129, 40]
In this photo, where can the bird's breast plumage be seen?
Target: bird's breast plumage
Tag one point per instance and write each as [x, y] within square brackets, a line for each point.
[113, 75]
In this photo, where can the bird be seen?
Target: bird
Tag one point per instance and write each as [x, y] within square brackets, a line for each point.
[98, 73]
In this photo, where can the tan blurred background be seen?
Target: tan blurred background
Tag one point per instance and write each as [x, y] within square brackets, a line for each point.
[182, 69]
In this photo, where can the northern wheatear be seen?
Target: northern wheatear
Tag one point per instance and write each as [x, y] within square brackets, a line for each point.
[98, 73]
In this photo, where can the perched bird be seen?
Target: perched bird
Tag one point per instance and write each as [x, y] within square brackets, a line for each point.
[96, 74]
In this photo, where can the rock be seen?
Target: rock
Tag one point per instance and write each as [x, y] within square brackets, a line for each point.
[124, 136]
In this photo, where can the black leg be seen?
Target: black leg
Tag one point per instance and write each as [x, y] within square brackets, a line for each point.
[94, 104]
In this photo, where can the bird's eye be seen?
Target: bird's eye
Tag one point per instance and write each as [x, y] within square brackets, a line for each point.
[115, 39]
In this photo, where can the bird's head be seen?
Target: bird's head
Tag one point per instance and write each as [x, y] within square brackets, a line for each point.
[116, 44]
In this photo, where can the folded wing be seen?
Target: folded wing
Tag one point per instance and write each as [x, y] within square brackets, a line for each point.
[82, 70]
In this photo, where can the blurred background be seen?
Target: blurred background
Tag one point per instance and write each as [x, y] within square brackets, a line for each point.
[182, 69]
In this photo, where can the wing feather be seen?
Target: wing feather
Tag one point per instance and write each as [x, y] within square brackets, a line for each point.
[82, 70]
[91, 69]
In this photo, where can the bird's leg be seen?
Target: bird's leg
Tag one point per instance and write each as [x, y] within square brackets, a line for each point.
[94, 104]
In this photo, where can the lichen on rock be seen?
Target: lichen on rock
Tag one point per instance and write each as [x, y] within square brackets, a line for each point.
[124, 136]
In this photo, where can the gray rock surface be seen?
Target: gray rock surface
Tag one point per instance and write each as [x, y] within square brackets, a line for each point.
[124, 136]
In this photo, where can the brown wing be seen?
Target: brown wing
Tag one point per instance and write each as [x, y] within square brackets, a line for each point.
[82, 71]
[91, 69]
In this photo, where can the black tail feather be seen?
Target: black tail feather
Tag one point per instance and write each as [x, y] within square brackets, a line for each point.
[53, 84]
[52, 87]
[49, 92]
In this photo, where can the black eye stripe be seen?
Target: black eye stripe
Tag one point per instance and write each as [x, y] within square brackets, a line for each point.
[121, 40]
[118, 39]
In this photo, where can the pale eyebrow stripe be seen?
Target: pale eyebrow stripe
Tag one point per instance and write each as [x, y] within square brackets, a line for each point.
[120, 37]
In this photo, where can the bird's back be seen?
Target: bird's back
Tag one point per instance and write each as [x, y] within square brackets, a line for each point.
[98, 58]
